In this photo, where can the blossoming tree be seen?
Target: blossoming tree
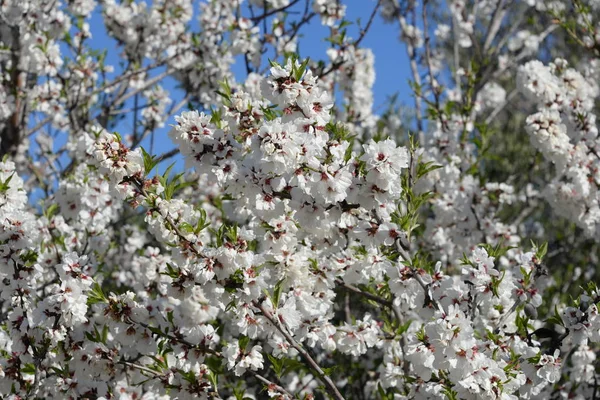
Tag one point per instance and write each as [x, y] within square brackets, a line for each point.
[310, 248]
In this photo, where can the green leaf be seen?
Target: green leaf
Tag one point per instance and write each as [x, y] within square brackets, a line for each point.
[104, 337]
[276, 365]
[201, 224]
[97, 337]
[28, 368]
[214, 364]
[51, 211]
[167, 173]
[243, 342]
[541, 251]
[4, 185]
[29, 257]
[425, 168]
[213, 378]
[96, 295]
[271, 112]
[556, 318]
[172, 272]
[216, 117]
[231, 233]
[348, 153]
[403, 328]
[299, 71]
[186, 227]
[149, 161]
[277, 293]
[496, 251]
[225, 92]
[291, 365]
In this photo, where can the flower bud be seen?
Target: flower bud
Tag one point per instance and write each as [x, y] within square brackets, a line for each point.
[530, 311]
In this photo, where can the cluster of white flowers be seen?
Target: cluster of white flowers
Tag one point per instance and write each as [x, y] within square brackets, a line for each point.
[564, 130]
[331, 11]
[356, 79]
[308, 247]
[156, 109]
[147, 30]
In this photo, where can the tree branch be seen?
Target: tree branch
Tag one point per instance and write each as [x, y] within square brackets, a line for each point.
[329, 385]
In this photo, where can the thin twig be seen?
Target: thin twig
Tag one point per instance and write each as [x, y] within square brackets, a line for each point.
[414, 69]
[329, 385]
[415, 274]
[139, 367]
[272, 12]
[146, 85]
[168, 154]
[363, 32]
[498, 109]
[497, 17]
[270, 384]
[386, 303]
[435, 89]
[370, 296]
[456, 57]
[39, 126]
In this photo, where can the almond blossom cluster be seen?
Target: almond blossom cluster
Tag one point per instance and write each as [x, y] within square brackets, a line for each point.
[565, 132]
[300, 245]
